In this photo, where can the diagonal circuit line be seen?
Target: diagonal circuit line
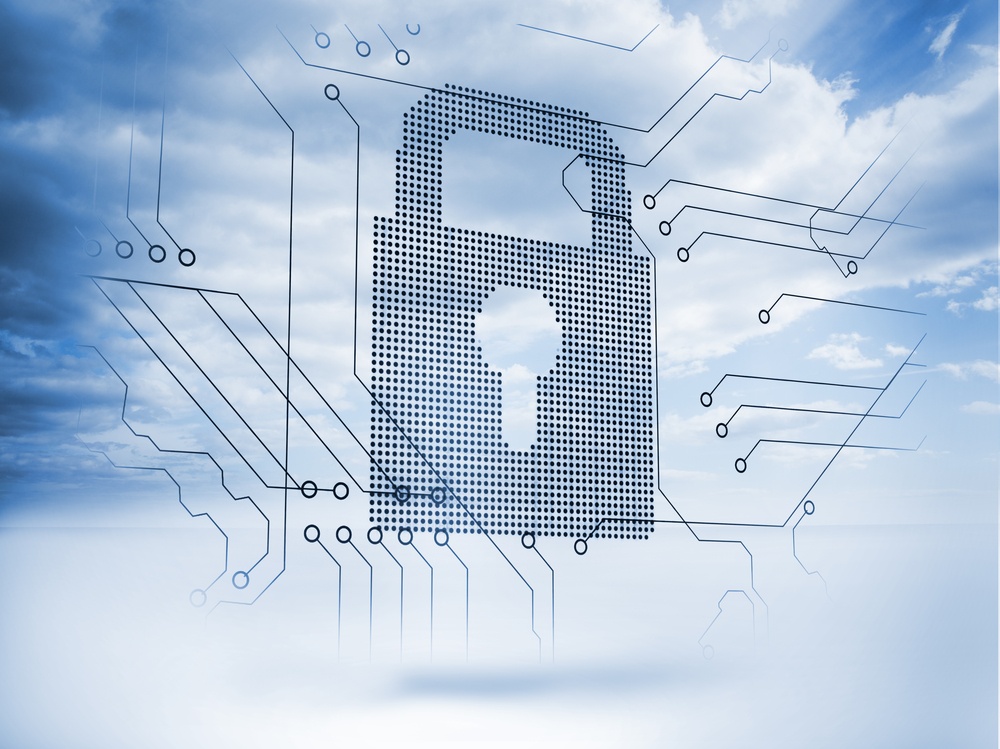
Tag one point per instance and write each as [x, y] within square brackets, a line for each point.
[835, 210]
[263, 326]
[288, 347]
[163, 123]
[888, 223]
[293, 406]
[552, 589]
[371, 595]
[719, 607]
[783, 379]
[769, 243]
[689, 525]
[843, 445]
[431, 568]
[795, 554]
[857, 221]
[828, 412]
[309, 382]
[581, 117]
[398, 564]
[215, 387]
[466, 568]
[650, 203]
[886, 229]
[340, 582]
[186, 391]
[857, 426]
[802, 502]
[840, 445]
[222, 473]
[772, 199]
[592, 41]
[659, 477]
[698, 111]
[131, 148]
[180, 499]
[768, 311]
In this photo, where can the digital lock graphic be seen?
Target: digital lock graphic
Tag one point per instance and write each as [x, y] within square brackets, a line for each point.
[440, 460]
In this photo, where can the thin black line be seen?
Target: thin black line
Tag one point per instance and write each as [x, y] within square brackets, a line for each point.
[264, 327]
[431, 568]
[698, 111]
[771, 198]
[796, 556]
[371, 596]
[163, 122]
[182, 386]
[222, 473]
[387, 37]
[857, 426]
[840, 301]
[583, 117]
[448, 545]
[302, 416]
[288, 349]
[131, 148]
[723, 235]
[592, 41]
[340, 580]
[214, 386]
[380, 543]
[870, 206]
[842, 445]
[97, 150]
[825, 411]
[794, 224]
[552, 589]
[797, 382]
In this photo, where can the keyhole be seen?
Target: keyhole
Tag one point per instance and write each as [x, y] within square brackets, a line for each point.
[520, 337]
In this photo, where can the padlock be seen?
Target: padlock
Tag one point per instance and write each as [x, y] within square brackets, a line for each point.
[439, 461]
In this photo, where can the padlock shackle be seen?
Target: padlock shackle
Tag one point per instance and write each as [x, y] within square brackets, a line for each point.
[439, 114]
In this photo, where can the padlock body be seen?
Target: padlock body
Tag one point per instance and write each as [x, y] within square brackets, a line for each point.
[439, 460]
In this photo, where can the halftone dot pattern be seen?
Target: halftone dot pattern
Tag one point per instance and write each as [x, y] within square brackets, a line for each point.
[437, 406]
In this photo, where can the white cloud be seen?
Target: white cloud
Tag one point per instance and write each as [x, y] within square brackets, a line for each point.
[980, 368]
[955, 281]
[734, 12]
[893, 350]
[943, 40]
[987, 408]
[684, 369]
[843, 352]
[989, 301]
[958, 279]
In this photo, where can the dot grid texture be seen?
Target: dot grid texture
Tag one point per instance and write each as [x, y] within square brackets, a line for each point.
[439, 460]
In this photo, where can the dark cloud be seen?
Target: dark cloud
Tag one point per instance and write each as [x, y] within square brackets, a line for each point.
[27, 66]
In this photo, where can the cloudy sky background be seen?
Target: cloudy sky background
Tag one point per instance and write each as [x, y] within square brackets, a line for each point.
[96, 622]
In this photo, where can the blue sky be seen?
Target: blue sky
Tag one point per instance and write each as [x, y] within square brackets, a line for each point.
[108, 107]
